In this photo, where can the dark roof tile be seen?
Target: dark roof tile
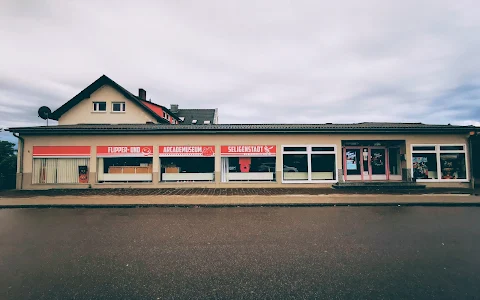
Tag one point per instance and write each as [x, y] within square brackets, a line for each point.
[200, 115]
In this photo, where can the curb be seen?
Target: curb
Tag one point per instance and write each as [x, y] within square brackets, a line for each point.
[73, 206]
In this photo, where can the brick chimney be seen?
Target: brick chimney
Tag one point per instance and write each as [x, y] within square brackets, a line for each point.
[142, 94]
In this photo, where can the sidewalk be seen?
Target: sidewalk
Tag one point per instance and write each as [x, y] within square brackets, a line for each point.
[252, 200]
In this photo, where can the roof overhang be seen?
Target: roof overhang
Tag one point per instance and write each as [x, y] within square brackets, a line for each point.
[233, 129]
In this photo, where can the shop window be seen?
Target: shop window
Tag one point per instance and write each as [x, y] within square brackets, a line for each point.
[118, 106]
[125, 169]
[453, 166]
[309, 163]
[323, 167]
[451, 148]
[295, 167]
[60, 170]
[322, 149]
[423, 148]
[248, 169]
[425, 166]
[446, 162]
[187, 169]
[99, 106]
[293, 149]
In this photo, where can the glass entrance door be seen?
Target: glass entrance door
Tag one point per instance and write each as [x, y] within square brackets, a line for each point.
[353, 164]
[365, 163]
[378, 164]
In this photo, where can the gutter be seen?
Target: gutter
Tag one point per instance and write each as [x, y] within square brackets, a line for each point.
[21, 150]
[172, 130]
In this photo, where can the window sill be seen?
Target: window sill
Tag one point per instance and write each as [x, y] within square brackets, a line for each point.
[99, 112]
[61, 183]
[443, 180]
[209, 182]
[250, 181]
[123, 182]
[310, 181]
[117, 112]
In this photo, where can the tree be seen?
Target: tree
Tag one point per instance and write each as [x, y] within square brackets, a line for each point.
[8, 164]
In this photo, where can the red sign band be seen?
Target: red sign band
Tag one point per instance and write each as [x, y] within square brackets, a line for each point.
[61, 151]
[124, 151]
[249, 150]
[199, 151]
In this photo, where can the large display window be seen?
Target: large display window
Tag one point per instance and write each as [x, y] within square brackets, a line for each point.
[309, 163]
[60, 164]
[124, 164]
[187, 163]
[241, 163]
[439, 162]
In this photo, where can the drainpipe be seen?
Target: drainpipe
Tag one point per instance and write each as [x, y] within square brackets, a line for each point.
[471, 158]
[21, 157]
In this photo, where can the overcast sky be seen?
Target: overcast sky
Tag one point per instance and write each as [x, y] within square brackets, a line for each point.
[269, 61]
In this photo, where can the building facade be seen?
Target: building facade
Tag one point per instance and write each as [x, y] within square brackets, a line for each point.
[108, 137]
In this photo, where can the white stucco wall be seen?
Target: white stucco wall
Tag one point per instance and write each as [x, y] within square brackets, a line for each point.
[83, 113]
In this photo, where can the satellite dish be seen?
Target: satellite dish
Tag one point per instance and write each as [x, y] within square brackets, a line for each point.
[44, 112]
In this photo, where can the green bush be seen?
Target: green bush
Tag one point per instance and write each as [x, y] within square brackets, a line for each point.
[8, 165]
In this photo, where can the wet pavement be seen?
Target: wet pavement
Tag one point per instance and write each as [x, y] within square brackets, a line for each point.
[241, 253]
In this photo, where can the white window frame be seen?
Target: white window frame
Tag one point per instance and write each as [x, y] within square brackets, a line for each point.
[96, 105]
[34, 170]
[119, 102]
[437, 152]
[309, 153]
[225, 173]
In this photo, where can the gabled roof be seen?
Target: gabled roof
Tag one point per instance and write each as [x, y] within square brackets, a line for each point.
[358, 128]
[200, 115]
[105, 80]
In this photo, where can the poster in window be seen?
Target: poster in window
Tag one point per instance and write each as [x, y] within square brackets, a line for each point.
[351, 160]
[377, 160]
[420, 169]
[453, 166]
[83, 174]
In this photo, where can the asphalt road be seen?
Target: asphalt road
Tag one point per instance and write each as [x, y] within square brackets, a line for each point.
[241, 253]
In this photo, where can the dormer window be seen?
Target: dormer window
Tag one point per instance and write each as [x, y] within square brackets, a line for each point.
[99, 106]
[118, 107]
[182, 119]
[206, 122]
[194, 121]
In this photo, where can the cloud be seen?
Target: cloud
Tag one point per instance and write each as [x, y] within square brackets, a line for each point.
[257, 61]
[468, 122]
